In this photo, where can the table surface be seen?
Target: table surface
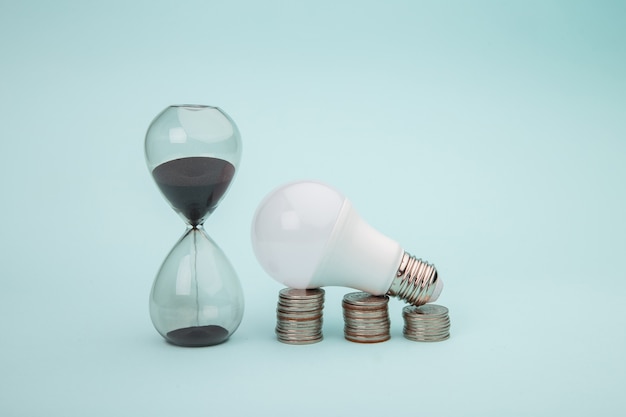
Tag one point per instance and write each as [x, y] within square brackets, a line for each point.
[487, 138]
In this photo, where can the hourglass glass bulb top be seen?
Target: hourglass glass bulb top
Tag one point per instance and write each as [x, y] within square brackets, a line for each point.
[307, 235]
[193, 152]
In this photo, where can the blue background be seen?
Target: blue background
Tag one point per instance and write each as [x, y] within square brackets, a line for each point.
[487, 137]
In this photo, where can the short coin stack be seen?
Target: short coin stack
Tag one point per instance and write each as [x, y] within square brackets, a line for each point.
[426, 323]
[299, 316]
[366, 317]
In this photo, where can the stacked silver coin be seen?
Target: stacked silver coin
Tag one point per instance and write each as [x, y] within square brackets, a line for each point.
[299, 316]
[366, 317]
[426, 323]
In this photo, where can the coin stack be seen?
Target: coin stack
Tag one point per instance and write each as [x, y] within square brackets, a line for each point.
[366, 317]
[299, 316]
[426, 323]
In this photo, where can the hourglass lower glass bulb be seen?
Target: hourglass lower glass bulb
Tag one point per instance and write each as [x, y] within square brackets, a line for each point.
[307, 235]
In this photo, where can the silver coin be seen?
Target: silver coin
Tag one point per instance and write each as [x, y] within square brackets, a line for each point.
[300, 296]
[366, 319]
[301, 300]
[427, 339]
[299, 309]
[299, 340]
[298, 336]
[360, 325]
[285, 332]
[297, 294]
[314, 315]
[302, 304]
[365, 314]
[296, 322]
[367, 333]
[300, 323]
[298, 332]
[363, 323]
[431, 323]
[368, 323]
[369, 302]
[293, 308]
[365, 311]
[425, 332]
[304, 331]
[363, 307]
[427, 322]
[300, 314]
[365, 299]
[358, 339]
[364, 335]
[295, 312]
[426, 329]
[433, 310]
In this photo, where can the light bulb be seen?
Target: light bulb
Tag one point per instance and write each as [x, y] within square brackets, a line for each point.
[307, 235]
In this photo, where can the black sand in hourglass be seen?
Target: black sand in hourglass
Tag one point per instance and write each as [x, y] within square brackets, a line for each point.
[195, 336]
[194, 185]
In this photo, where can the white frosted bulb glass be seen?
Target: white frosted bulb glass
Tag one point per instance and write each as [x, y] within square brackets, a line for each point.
[307, 235]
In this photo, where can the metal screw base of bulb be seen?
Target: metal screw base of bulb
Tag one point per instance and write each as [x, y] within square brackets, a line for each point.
[415, 281]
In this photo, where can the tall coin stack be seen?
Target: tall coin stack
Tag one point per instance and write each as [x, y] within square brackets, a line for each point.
[426, 323]
[366, 317]
[299, 316]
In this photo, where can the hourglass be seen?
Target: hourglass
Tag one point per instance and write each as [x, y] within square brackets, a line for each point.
[193, 152]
